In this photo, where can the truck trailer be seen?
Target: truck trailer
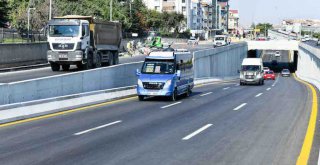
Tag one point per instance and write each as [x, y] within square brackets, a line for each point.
[82, 41]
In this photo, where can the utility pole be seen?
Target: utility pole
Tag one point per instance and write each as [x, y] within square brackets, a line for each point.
[29, 21]
[227, 15]
[111, 10]
[50, 9]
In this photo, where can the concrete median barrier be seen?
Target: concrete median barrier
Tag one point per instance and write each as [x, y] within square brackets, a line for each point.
[13, 55]
[67, 84]
[211, 63]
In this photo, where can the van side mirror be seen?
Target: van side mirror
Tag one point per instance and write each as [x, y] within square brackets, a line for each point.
[138, 73]
[238, 71]
[178, 73]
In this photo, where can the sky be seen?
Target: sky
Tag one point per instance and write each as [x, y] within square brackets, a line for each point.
[273, 11]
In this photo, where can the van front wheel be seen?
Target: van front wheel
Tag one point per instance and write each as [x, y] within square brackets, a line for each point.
[173, 97]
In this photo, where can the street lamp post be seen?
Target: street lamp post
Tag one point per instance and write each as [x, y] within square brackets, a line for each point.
[50, 9]
[110, 10]
[29, 21]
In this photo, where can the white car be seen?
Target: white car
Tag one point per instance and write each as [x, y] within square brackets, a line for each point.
[193, 41]
[220, 40]
[277, 54]
[266, 69]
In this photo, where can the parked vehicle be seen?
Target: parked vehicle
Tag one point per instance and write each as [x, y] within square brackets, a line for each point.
[285, 73]
[318, 42]
[220, 40]
[166, 73]
[269, 75]
[252, 71]
[193, 41]
[277, 54]
[82, 41]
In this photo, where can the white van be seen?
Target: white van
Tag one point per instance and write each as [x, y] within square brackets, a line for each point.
[251, 71]
[220, 40]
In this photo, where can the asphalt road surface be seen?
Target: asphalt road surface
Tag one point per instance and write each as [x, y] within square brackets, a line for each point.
[46, 71]
[220, 124]
[312, 43]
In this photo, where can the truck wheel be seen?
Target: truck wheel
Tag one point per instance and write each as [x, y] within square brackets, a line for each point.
[115, 58]
[55, 67]
[110, 62]
[98, 61]
[65, 67]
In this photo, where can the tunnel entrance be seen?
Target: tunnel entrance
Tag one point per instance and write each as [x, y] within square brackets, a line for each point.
[254, 53]
[277, 60]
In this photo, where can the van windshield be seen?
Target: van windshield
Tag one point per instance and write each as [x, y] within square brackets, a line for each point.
[158, 67]
[219, 38]
[250, 67]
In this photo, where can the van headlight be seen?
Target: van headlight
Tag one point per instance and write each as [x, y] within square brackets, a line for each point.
[167, 85]
[140, 84]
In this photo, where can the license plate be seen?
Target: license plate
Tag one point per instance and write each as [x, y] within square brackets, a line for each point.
[152, 93]
[63, 56]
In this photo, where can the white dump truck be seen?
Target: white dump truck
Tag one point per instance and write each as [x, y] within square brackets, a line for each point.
[82, 41]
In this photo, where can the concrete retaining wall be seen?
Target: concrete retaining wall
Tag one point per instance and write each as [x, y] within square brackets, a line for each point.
[79, 82]
[22, 54]
[309, 64]
[220, 62]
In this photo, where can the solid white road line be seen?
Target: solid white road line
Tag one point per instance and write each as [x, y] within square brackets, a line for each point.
[197, 132]
[237, 85]
[240, 106]
[171, 105]
[226, 88]
[96, 128]
[206, 94]
[268, 89]
[319, 158]
[259, 94]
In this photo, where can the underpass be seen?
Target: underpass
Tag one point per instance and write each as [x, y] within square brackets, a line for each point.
[221, 123]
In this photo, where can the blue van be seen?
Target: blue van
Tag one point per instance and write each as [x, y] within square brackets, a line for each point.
[166, 73]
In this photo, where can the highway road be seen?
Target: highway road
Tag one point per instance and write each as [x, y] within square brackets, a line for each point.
[312, 43]
[221, 124]
[46, 71]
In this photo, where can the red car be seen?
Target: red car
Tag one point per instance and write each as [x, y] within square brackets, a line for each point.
[269, 75]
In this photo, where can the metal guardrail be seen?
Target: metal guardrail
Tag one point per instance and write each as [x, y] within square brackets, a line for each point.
[13, 36]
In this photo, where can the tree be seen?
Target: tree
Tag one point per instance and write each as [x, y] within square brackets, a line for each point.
[264, 27]
[4, 13]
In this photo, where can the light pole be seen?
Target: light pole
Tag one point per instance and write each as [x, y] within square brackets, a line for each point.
[50, 9]
[29, 21]
[111, 10]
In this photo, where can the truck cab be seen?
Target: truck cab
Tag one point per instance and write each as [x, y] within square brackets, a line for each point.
[66, 41]
[252, 71]
[166, 73]
[82, 41]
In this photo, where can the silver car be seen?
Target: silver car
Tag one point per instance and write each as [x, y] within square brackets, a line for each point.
[285, 73]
